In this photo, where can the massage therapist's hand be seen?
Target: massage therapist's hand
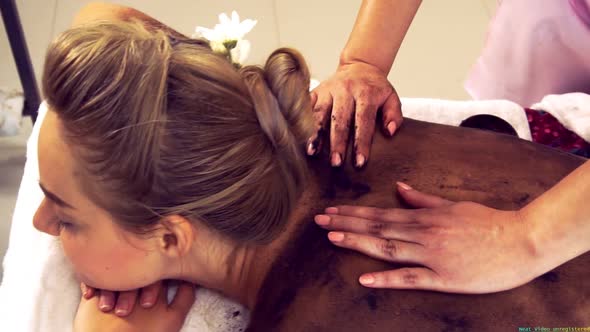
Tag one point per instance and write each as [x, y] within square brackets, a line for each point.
[461, 247]
[355, 92]
[122, 302]
[161, 317]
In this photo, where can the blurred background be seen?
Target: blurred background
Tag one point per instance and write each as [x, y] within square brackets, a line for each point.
[440, 48]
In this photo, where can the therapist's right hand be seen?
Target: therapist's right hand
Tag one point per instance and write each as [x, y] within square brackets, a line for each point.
[356, 91]
[122, 303]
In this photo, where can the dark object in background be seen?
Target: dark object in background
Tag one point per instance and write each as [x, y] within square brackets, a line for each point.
[489, 122]
[16, 36]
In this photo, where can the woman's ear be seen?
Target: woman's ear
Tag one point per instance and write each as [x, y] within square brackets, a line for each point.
[176, 236]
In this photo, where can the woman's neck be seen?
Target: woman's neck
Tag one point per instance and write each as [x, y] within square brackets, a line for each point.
[239, 271]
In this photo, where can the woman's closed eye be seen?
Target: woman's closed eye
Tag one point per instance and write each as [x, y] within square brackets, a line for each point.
[64, 225]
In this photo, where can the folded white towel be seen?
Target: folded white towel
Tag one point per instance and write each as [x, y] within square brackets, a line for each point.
[452, 112]
[572, 110]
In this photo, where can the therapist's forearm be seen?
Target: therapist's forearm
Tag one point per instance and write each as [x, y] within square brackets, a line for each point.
[378, 32]
[560, 220]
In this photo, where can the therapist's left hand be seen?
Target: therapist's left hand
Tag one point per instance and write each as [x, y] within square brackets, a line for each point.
[460, 247]
[160, 317]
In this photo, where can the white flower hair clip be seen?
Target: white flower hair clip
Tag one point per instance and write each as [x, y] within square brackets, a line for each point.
[226, 37]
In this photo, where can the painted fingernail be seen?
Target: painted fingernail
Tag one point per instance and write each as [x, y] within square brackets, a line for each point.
[310, 149]
[120, 312]
[322, 220]
[360, 160]
[336, 159]
[146, 304]
[335, 236]
[404, 186]
[331, 210]
[367, 280]
[391, 126]
[104, 305]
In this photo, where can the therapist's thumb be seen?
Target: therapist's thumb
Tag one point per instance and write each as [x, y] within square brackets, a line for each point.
[419, 199]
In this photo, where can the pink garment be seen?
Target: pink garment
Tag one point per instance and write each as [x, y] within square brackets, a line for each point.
[534, 48]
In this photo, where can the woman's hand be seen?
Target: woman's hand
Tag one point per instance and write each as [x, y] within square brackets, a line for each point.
[122, 302]
[356, 89]
[461, 247]
[160, 317]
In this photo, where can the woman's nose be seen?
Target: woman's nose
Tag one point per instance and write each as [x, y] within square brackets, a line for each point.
[44, 219]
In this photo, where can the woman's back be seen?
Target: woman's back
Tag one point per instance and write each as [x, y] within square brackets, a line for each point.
[313, 286]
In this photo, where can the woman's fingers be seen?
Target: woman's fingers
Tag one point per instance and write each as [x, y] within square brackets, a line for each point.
[392, 113]
[373, 214]
[398, 226]
[385, 249]
[125, 303]
[364, 126]
[342, 110]
[149, 294]
[404, 278]
[419, 199]
[106, 300]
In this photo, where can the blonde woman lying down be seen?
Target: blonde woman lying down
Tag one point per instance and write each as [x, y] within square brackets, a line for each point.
[160, 160]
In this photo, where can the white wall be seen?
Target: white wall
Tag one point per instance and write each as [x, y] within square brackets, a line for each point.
[441, 45]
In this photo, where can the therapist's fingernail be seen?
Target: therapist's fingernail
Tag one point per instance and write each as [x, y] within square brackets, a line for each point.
[336, 159]
[403, 186]
[335, 236]
[360, 160]
[84, 289]
[310, 149]
[146, 304]
[331, 210]
[391, 126]
[322, 220]
[367, 280]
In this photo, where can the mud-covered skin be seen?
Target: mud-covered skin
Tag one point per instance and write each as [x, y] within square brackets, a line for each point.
[313, 285]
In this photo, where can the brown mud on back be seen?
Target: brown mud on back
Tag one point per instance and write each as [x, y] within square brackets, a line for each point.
[313, 285]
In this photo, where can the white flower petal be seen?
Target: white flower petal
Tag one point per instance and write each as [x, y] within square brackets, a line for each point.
[200, 32]
[247, 25]
[227, 29]
[240, 53]
[235, 18]
[224, 19]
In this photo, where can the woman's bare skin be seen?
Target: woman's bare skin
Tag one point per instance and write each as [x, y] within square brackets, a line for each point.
[313, 285]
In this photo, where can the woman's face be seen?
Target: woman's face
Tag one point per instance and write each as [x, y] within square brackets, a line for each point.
[102, 253]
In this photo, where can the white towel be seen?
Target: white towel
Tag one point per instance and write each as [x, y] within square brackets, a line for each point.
[39, 291]
[452, 112]
[572, 110]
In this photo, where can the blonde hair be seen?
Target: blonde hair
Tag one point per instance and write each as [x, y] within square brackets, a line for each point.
[167, 127]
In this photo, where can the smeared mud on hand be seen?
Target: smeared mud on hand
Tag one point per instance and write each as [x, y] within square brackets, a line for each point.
[356, 92]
